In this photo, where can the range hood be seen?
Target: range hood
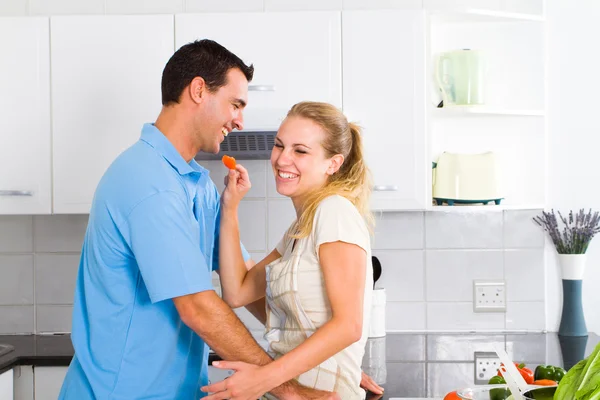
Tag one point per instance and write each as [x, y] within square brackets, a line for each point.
[244, 145]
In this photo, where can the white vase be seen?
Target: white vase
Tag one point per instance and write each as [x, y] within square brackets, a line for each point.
[572, 266]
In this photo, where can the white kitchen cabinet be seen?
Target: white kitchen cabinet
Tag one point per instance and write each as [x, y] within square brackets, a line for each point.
[48, 381]
[384, 92]
[106, 77]
[23, 382]
[6, 385]
[297, 57]
[25, 182]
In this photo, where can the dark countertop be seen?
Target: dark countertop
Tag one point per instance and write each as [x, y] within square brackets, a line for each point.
[39, 350]
[417, 365]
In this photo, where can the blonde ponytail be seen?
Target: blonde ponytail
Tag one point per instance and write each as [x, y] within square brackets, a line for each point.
[353, 179]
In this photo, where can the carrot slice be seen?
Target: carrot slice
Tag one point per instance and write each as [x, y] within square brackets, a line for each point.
[545, 382]
[229, 162]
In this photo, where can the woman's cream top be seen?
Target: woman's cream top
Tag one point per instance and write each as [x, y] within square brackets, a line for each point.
[297, 303]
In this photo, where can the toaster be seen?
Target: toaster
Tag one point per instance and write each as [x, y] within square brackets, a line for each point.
[466, 179]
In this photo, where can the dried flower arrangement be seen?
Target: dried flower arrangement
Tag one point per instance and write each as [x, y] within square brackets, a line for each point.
[577, 231]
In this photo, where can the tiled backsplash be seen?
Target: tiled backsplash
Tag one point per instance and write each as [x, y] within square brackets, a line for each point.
[429, 263]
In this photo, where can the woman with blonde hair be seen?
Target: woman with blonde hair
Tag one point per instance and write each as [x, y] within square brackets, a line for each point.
[318, 280]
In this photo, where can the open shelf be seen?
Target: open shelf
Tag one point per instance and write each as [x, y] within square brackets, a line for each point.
[489, 207]
[481, 15]
[483, 110]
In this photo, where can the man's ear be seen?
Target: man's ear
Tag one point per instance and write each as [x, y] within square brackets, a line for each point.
[197, 89]
[335, 164]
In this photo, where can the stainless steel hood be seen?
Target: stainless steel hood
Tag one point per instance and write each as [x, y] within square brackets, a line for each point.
[244, 145]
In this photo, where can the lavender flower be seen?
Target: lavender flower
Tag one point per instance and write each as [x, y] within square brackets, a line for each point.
[577, 230]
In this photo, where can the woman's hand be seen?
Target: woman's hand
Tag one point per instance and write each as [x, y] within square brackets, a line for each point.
[367, 383]
[237, 184]
[247, 383]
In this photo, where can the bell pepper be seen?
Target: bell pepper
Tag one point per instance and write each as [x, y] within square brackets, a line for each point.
[498, 394]
[549, 372]
[526, 373]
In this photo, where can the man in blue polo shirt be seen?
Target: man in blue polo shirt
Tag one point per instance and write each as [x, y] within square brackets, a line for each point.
[144, 301]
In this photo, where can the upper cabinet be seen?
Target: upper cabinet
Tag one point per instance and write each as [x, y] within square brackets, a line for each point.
[384, 92]
[106, 76]
[25, 182]
[297, 57]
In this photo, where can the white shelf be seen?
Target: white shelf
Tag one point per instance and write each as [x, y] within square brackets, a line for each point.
[461, 111]
[481, 15]
[489, 207]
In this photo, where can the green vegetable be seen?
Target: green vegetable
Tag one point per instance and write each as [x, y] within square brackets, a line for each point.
[582, 382]
[498, 394]
[549, 372]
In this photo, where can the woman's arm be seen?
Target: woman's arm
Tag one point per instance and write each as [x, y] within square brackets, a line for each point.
[344, 271]
[240, 286]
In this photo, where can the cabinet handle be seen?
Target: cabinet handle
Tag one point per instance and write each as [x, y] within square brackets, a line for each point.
[16, 193]
[261, 88]
[385, 188]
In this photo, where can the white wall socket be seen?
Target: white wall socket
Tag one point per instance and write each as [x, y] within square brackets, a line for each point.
[489, 296]
[486, 366]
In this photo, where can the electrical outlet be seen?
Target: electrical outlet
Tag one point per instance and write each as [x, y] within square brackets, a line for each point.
[486, 366]
[489, 296]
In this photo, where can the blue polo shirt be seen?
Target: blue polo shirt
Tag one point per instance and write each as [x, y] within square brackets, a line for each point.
[152, 235]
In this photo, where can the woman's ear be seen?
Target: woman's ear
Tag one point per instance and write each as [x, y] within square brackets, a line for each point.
[197, 89]
[335, 164]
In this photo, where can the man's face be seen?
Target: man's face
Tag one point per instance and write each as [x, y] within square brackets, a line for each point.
[221, 111]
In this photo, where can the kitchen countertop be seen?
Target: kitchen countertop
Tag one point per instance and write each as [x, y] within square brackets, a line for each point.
[415, 365]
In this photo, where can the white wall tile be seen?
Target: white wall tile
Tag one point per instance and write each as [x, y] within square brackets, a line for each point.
[16, 279]
[523, 6]
[223, 5]
[402, 316]
[520, 231]
[460, 316]
[525, 316]
[144, 6]
[450, 273]
[16, 319]
[281, 216]
[460, 347]
[524, 272]
[257, 256]
[55, 277]
[53, 318]
[16, 233]
[402, 274]
[271, 188]
[66, 7]
[252, 216]
[446, 377]
[399, 230]
[463, 229]
[256, 171]
[299, 5]
[13, 8]
[59, 233]
[381, 4]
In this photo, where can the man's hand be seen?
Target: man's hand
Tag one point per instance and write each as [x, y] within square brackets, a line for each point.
[367, 383]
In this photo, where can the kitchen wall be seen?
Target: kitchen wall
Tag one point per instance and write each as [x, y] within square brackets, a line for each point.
[429, 262]
[573, 179]
[429, 259]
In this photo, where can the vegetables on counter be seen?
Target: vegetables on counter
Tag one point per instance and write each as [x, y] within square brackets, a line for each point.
[498, 394]
[452, 396]
[582, 381]
[526, 373]
[549, 372]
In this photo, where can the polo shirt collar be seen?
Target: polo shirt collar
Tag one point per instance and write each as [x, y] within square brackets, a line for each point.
[155, 138]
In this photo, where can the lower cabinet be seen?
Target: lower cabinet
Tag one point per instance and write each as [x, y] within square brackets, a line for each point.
[6, 385]
[37, 383]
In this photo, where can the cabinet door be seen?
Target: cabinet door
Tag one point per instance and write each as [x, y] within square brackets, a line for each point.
[25, 123]
[23, 382]
[6, 385]
[296, 56]
[384, 91]
[48, 382]
[106, 76]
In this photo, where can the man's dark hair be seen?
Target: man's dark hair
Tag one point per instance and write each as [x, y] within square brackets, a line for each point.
[205, 58]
